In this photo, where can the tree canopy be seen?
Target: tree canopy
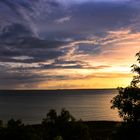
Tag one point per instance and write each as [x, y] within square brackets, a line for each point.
[128, 99]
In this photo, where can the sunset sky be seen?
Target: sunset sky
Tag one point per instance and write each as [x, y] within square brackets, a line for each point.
[68, 44]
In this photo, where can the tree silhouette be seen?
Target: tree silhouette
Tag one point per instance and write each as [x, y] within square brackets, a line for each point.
[53, 118]
[64, 126]
[136, 69]
[14, 123]
[128, 99]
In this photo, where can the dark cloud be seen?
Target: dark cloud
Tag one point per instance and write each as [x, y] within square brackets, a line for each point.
[25, 78]
[14, 4]
[90, 18]
[90, 49]
[64, 65]
[17, 40]
[15, 30]
[86, 18]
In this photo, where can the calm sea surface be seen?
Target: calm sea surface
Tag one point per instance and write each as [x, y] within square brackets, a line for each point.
[31, 107]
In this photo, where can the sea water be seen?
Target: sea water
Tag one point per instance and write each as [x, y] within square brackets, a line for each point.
[31, 107]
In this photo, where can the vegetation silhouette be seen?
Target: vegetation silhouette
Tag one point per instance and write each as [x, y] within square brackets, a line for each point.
[128, 100]
[128, 104]
[56, 126]
[64, 126]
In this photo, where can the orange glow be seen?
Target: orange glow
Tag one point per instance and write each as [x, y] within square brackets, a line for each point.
[104, 81]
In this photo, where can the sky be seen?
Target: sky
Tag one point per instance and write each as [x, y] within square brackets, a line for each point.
[68, 44]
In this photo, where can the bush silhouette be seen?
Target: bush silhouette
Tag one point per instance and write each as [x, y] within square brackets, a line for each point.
[14, 123]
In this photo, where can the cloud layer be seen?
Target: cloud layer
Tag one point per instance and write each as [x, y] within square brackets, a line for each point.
[50, 44]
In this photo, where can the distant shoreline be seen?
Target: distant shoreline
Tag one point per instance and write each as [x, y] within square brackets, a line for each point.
[64, 89]
[57, 89]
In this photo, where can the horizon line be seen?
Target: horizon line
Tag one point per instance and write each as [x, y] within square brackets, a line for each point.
[57, 89]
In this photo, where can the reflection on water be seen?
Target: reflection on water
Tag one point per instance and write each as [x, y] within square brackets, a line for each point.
[31, 108]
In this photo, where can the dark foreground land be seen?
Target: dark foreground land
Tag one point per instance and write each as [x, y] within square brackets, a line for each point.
[78, 130]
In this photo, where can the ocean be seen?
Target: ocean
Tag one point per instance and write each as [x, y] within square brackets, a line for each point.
[32, 106]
